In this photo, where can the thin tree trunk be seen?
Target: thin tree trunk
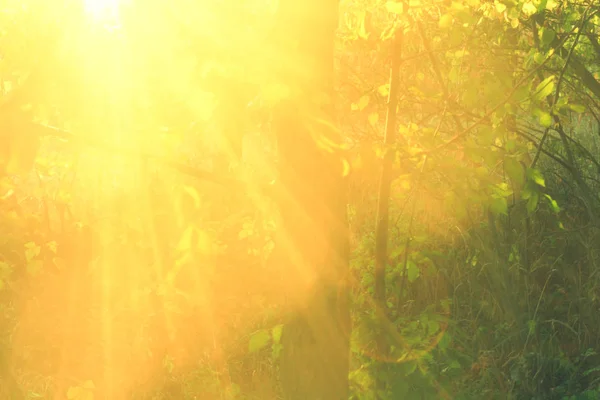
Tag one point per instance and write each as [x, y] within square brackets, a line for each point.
[313, 235]
[383, 200]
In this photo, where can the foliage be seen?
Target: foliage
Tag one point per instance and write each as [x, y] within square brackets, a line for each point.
[138, 254]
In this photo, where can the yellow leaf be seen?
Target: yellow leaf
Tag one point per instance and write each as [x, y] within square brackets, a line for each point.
[529, 8]
[346, 166]
[373, 118]
[500, 7]
[395, 7]
[551, 5]
[362, 30]
[362, 103]
[384, 90]
[514, 23]
[445, 21]
[74, 393]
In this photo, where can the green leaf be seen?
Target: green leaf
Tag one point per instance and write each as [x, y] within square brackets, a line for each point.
[578, 108]
[433, 327]
[539, 58]
[547, 35]
[258, 341]
[445, 341]
[531, 325]
[532, 203]
[536, 176]
[499, 206]
[545, 119]
[501, 190]
[413, 271]
[553, 204]
[276, 332]
[544, 89]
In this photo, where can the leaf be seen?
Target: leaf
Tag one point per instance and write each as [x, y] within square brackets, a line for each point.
[500, 7]
[499, 206]
[88, 385]
[258, 341]
[276, 332]
[532, 203]
[433, 327]
[539, 58]
[514, 23]
[413, 271]
[553, 204]
[52, 246]
[544, 88]
[529, 8]
[193, 193]
[545, 119]
[346, 167]
[32, 250]
[547, 35]
[361, 104]
[395, 7]
[551, 5]
[362, 31]
[446, 21]
[384, 90]
[536, 176]
[373, 118]
[578, 108]
[185, 242]
[532, 325]
[74, 393]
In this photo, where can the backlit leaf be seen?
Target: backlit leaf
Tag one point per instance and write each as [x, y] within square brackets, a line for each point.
[532, 202]
[529, 8]
[395, 7]
[258, 341]
[547, 35]
[373, 118]
[544, 88]
[536, 176]
[499, 206]
[413, 271]
[545, 119]
[578, 108]
[446, 21]
[553, 204]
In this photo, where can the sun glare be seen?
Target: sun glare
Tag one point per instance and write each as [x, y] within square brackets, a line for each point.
[101, 9]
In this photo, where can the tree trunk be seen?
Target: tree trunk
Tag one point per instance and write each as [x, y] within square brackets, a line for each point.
[313, 235]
